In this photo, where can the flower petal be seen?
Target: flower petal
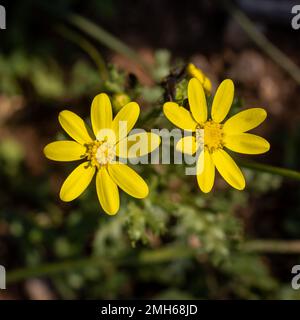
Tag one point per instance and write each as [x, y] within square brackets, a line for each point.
[179, 116]
[128, 180]
[199, 74]
[187, 145]
[101, 113]
[125, 120]
[107, 191]
[245, 120]
[228, 169]
[197, 100]
[64, 151]
[77, 182]
[137, 145]
[222, 101]
[246, 143]
[206, 171]
[74, 126]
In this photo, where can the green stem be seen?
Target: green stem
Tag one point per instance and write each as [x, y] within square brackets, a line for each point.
[51, 268]
[270, 169]
[86, 46]
[261, 41]
[108, 40]
[147, 257]
[273, 246]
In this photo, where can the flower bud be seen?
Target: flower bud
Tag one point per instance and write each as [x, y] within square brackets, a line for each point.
[119, 100]
[197, 73]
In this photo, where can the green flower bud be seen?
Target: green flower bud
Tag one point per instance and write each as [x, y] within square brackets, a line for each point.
[119, 100]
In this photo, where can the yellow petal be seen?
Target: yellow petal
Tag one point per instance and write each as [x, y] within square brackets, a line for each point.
[125, 120]
[228, 169]
[207, 85]
[137, 145]
[107, 191]
[74, 126]
[222, 100]
[246, 143]
[197, 100]
[64, 151]
[179, 116]
[206, 171]
[187, 145]
[77, 182]
[245, 120]
[101, 113]
[128, 180]
[195, 72]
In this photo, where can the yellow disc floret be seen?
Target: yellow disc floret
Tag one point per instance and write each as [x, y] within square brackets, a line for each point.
[105, 153]
[100, 153]
[213, 135]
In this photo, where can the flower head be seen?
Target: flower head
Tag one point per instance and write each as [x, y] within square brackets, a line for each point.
[214, 136]
[101, 152]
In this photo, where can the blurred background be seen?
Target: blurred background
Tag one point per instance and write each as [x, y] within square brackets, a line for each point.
[177, 243]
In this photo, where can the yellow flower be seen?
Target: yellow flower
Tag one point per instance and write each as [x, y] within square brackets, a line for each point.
[100, 153]
[197, 73]
[217, 136]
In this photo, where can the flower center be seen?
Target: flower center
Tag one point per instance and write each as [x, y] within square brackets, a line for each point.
[212, 137]
[100, 153]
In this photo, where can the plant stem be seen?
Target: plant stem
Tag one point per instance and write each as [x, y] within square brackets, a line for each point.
[261, 41]
[108, 40]
[288, 173]
[273, 246]
[51, 268]
[147, 257]
[86, 46]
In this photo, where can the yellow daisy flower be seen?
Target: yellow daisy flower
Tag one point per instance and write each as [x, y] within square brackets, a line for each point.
[197, 73]
[217, 136]
[100, 153]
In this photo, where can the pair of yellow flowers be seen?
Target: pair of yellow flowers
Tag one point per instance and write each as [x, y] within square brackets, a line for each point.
[100, 152]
